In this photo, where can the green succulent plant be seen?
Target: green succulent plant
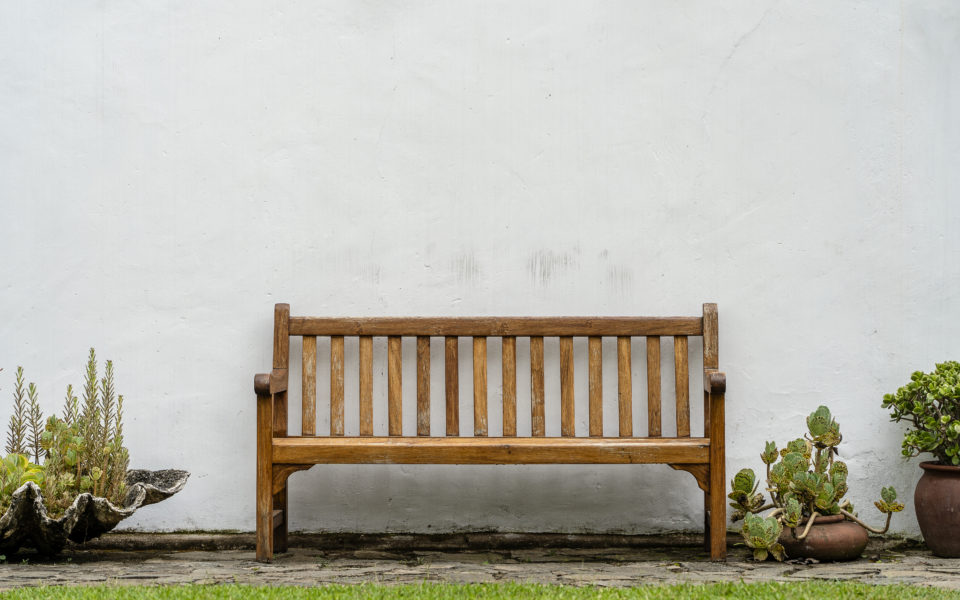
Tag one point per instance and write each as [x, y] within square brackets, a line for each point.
[805, 481]
[762, 535]
[16, 470]
[931, 403]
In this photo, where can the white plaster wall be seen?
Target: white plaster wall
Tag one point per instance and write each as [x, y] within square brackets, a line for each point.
[170, 170]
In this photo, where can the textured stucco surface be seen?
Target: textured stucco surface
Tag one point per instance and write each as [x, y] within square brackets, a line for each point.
[170, 170]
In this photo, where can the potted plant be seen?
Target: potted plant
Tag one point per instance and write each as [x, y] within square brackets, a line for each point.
[66, 478]
[930, 402]
[808, 516]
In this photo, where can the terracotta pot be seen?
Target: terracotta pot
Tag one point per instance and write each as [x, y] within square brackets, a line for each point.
[830, 538]
[937, 502]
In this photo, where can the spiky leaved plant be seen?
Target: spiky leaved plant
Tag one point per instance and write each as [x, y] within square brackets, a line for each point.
[113, 461]
[71, 408]
[35, 423]
[805, 482]
[17, 427]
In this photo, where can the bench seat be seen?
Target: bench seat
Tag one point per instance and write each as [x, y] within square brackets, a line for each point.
[489, 451]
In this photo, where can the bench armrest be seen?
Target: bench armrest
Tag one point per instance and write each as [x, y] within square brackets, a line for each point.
[714, 382]
[266, 384]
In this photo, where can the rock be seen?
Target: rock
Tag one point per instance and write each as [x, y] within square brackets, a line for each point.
[26, 524]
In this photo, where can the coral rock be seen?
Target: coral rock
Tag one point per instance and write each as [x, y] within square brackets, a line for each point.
[25, 524]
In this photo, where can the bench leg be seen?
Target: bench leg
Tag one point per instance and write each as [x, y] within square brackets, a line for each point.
[279, 528]
[706, 521]
[264, 478]
[717, 496]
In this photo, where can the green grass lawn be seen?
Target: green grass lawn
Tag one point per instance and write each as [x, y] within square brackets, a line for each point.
[749, 591]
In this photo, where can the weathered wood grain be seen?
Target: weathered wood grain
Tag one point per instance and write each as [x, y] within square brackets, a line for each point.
[264, 477]
[281, 336]
[423, 385]
[452, 382]
[366, 385]
[308, 404]
[595, 360]
[336, 385]
[394, 385]
[625, 386]
[537, 419]
[509, 385]
[496, 326]
[653, 386]
[567, 415]
[479, 386]
[486, 451]
[682, 385]
[711, 345]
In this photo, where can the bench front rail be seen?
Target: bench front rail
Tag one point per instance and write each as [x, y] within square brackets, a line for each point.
[279, 455]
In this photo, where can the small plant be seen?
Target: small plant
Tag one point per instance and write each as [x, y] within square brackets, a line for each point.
[931, 402]
[805, 482]
[16, 470]
[82, 451]
[17, 427]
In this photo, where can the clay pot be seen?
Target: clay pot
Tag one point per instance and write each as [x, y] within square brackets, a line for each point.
[937, 502]
[830, 538]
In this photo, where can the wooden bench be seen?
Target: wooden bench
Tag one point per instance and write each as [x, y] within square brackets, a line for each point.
[279, 454]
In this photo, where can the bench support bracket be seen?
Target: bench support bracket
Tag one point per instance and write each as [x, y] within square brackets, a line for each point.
[700, 472]
[281, 472]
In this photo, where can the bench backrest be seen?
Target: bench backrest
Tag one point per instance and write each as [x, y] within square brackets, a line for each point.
[509, 329]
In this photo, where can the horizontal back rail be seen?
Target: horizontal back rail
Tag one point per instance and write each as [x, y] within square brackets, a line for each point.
[496, 326]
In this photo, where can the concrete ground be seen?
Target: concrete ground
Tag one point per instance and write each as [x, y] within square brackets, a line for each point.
[135, 558]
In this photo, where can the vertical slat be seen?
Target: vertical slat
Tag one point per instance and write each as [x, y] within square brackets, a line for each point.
[625, 386]
[452, 380]
[336, 385]
[308, 404]
[682, 375]
[394, 386]
[480, 386]
[653, 386]
[567, 415]
[595, 352]
[366, 385]
[423, 385]
[509, 360]
[537, 420]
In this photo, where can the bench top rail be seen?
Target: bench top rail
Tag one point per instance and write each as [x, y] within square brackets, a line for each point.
[496, 326]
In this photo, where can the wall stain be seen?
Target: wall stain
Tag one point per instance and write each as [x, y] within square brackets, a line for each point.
[544, 264]
[466, 269]
[620, 278]
[370, 273]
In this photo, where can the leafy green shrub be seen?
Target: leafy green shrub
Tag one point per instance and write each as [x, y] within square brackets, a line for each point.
[931, 402]
[16, 470]
[82, 450]
[805, 482]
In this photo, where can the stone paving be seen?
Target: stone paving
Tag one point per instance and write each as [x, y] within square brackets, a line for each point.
[125, 559]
